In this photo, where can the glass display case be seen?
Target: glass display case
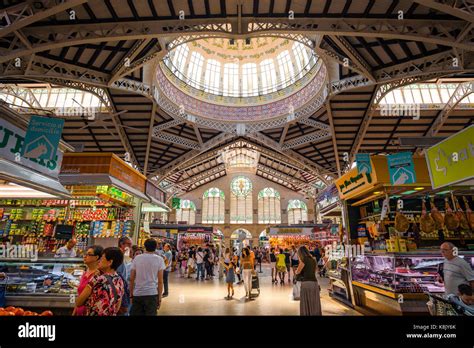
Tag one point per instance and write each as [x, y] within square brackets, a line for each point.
[44, 283]
[398, 282]
[401, 272]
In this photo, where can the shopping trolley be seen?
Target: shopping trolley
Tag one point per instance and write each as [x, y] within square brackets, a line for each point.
[439, 306]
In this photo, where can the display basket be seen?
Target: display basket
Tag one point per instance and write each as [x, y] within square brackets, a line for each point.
[439, 306]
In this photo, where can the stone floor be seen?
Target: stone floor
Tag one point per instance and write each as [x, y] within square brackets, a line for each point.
[192, 297]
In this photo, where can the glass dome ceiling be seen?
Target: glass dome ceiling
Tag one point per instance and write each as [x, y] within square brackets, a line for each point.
[240, 68]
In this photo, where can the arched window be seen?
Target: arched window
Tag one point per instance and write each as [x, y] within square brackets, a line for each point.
[179, 60]
[213, 206]
[241, 200]
[212, 76]
[269, 210]
[231, 80]
[268, 76]
[287, 74]
[297, 212]
[195, 69]
[249, 80]
[186, 212]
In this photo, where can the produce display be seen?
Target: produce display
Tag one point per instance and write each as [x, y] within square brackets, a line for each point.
[20, 312]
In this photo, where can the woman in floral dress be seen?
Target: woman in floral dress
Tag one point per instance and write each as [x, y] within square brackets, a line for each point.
[103, 295]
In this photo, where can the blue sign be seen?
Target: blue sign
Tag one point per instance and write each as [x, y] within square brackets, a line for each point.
[401, 168]
[363, 163]
[42, 138]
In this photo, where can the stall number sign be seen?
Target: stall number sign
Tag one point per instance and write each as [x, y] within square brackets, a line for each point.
[12, 140]
[452, 160]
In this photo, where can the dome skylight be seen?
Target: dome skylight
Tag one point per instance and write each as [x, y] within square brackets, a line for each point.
[240, 68]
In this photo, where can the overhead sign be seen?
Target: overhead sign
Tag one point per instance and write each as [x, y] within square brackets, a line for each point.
[452, 160]
[290, 231]
[363, 163]
[328, 197]
[11, 146]
[353, 183]
[42, 138]
[176, 203]
[401, 168]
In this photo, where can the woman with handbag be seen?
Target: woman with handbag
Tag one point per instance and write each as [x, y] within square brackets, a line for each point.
[310, 301]
[247, 270]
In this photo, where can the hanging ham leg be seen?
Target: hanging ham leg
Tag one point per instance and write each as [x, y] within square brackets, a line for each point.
[463, 223]
[427, 224]
[451, 221]
[436, 215]
[469, 213]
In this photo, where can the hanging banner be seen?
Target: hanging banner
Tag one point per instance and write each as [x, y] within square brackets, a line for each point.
[176, 203]
[452, 160]
[42, 138]
[401, 168]
[11, 144]
[363, 163]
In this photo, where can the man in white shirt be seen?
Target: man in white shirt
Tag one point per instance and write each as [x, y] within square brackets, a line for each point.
[67, 251]
[456, 271]
[146, 281]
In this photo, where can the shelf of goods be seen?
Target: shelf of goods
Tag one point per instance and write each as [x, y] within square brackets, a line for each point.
[35, 222]
[339, 276]
[397, 283]
[44, 284]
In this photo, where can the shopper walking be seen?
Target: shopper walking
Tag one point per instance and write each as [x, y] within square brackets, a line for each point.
[102, 296]
[281, 266]
[310, 301]
[294, 260]
[191, 264]
[168, 258]
[230, 278]
[147, 280]
[207, 263]
[273, 260]
[455, 270]
[125, 245]
[247, 270]
[91, 260]
[288, 264]
[200, 263]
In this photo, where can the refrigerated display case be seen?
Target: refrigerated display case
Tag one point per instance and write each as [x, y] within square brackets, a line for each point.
[44, 284]
[398, 283]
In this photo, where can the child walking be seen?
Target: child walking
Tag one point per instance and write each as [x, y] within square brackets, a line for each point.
[230, 279]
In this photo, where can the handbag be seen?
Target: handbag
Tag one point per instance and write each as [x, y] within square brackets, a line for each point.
[296, 291]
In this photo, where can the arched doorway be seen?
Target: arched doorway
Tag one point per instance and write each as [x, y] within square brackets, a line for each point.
[263, 239]
[240, 238]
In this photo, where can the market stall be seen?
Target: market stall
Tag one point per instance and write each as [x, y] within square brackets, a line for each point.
[108, 195]
[310, 235]
[32, 200]
[387, 212]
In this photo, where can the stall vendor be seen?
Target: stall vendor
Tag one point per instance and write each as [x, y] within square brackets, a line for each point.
[67, 251]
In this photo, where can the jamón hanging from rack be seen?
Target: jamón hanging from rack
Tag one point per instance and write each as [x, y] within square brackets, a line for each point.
[436, 215]
[427, 224]
[451, 221]
[469, 214]
[401, 221]
[463, 223]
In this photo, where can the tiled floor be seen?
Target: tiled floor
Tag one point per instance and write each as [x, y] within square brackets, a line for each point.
[191, 297]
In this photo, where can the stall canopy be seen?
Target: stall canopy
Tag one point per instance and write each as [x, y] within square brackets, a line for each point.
[100, 179]
[23, 176]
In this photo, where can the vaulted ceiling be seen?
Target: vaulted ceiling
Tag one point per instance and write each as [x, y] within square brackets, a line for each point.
[110, 47]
